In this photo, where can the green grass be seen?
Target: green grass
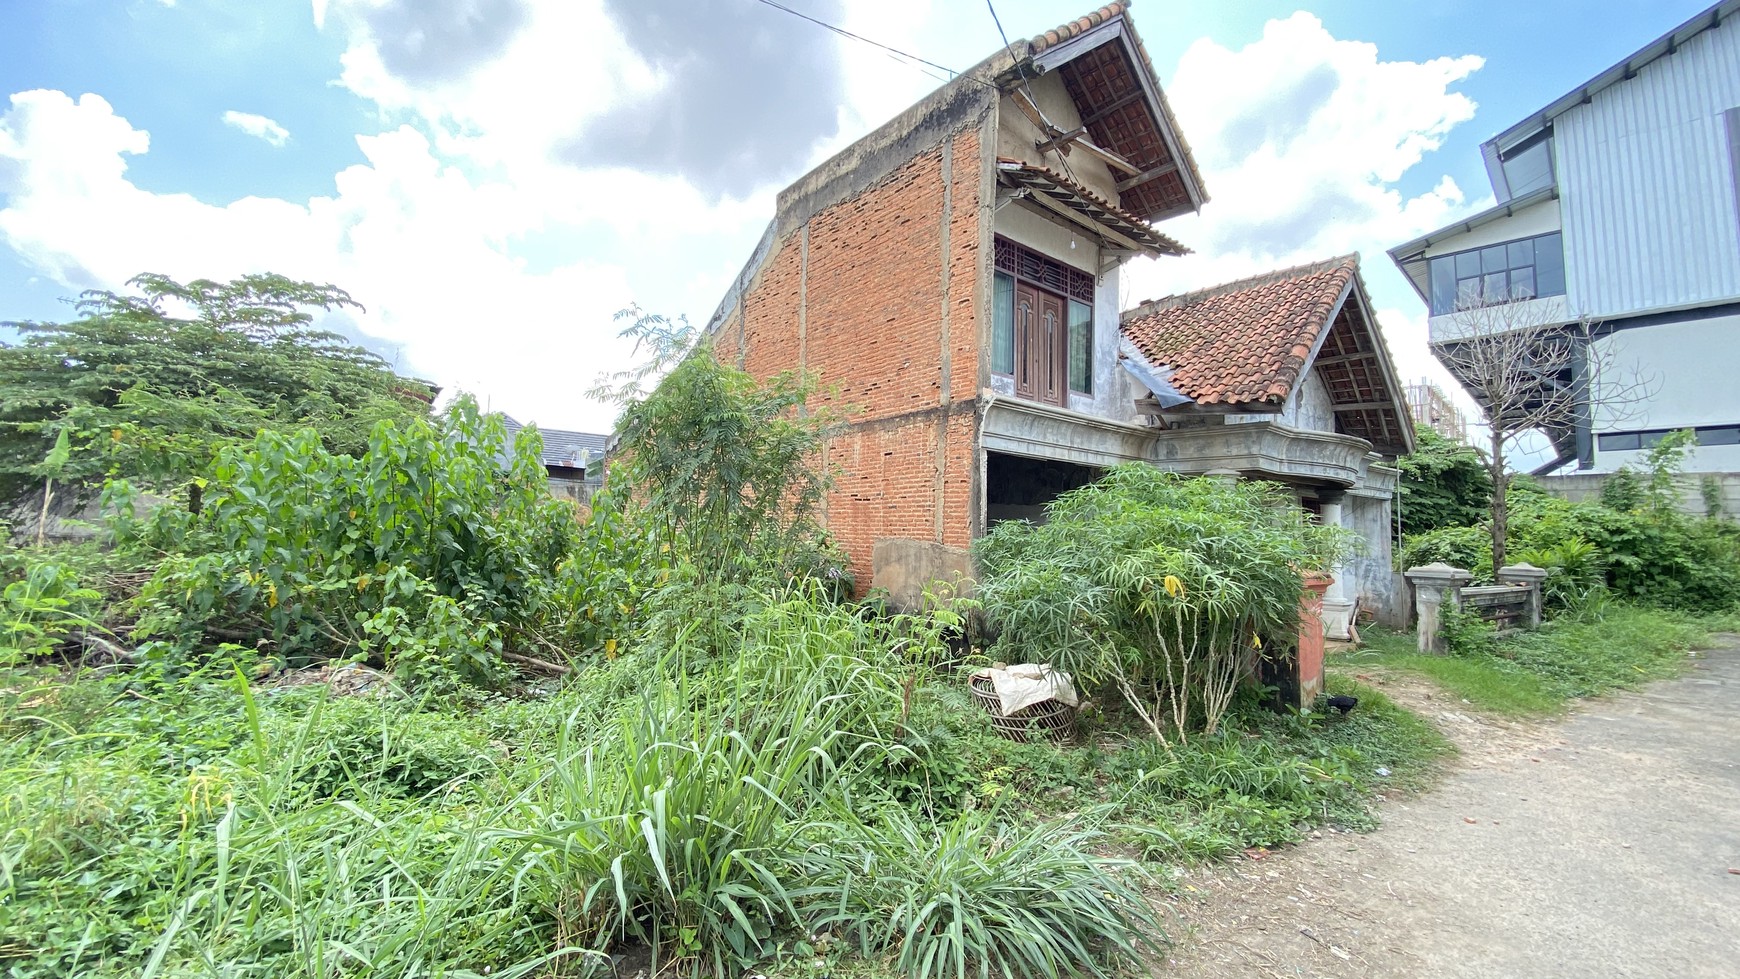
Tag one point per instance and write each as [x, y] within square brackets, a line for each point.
[158, 823]
[1538, 673]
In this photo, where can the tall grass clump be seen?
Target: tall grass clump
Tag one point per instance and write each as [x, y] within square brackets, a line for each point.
[978, 896]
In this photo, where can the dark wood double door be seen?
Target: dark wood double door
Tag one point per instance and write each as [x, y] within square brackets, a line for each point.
[1041, 346]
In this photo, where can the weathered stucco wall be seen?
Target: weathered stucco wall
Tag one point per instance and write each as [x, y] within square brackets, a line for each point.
[1017, 136]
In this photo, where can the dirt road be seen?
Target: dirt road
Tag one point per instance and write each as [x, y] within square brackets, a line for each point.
[1598, 846]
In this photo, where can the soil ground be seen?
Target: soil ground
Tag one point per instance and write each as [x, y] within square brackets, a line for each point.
[1605, 844]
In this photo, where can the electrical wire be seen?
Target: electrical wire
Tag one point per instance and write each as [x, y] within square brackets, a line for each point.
[1022, 71]
[858, 37]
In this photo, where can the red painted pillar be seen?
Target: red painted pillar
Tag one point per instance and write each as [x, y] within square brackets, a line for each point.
[1310, 658]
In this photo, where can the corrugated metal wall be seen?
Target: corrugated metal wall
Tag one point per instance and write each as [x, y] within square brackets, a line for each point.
[1649, 207]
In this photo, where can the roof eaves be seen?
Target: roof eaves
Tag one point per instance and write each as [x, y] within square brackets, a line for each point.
[1626, 69]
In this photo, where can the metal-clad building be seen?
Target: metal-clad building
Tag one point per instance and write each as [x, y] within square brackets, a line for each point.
[1618, 206]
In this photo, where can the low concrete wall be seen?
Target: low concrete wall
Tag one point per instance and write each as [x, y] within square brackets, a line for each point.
[907, 568]
[1578, 487]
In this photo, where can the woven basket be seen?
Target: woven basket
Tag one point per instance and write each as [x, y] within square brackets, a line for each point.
[1053, 719]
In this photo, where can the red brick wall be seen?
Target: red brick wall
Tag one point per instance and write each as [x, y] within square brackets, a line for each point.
[857, 295]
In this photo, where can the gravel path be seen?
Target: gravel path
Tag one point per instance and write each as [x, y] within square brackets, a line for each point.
[1605, 845]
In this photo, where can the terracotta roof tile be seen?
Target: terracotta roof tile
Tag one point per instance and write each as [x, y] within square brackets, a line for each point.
[1081, 25]
[1023, 173]
[1245, 342]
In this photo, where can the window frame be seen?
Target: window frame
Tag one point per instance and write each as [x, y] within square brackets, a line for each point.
[1469, 275]
[1020, 266]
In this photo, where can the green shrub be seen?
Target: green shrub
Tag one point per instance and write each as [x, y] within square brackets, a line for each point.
[424, 554]
[1444, 484]
[1468, 548]
[38, 610]
[1158, 586]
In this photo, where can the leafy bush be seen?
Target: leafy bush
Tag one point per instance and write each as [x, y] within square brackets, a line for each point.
[723, 471]
[39, 609]
[1468, 548]
[425, 553]
[1444, 484]
[1160, 586]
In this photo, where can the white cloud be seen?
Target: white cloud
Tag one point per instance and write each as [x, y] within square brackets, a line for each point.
[257, 126]
[422, 245]
[1302, 138]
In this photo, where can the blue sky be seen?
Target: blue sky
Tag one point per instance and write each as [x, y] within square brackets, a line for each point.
[493, 178]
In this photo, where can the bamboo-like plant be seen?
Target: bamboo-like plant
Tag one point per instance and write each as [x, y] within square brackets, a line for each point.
[1162, 587]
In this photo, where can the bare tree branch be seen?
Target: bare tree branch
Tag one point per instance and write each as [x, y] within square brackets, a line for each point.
[1530, 372]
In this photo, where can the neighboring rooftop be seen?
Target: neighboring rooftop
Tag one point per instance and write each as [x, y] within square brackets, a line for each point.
[569, 450]
[1247, 344]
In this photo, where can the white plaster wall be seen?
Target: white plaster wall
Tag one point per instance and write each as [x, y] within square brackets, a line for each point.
[1112, 396]
[1541, 219]
[1518, 315]
[1017, 136]
[1694, 370]
[1309, 407]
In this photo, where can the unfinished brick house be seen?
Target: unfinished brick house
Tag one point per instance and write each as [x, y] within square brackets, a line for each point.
[952, 279]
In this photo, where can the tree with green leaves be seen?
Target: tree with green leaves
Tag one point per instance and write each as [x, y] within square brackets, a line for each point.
[1445, 483]
[153, 384]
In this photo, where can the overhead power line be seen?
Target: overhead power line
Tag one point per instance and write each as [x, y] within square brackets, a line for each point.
[858, 37]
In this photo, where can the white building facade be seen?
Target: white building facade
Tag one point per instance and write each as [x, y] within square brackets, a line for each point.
[1619, 206]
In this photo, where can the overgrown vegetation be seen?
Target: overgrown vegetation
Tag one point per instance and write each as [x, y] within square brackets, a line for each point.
[1634, 544]
[154, 386]
[1163, 588]
[281, 732]
[1596, 651]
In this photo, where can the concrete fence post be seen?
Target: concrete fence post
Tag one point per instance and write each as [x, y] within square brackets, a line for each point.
[1435, 586]
[1530, 576]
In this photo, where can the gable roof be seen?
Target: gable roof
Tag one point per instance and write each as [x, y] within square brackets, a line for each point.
[1625, 70]
[1248, 344]
[571, 450]
[1123, 108]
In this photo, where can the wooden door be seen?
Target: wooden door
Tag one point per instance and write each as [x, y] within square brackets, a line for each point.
[1053, 351]
[1026, 342]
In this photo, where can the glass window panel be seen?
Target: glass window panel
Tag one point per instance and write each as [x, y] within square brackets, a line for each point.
[1467, 265]
[1522, 283]
[1493, 259]
[1521, 253]
[1649, 440]
[1443, 272]
[1492, 288]
[1620, 442]
[1003, 325]
[1467, 293]
[1726, 435]
[1549, 266]
[1081, 347]
[1529, 170]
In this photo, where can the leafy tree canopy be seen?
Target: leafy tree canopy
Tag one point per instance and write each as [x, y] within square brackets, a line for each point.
[1444, 484]
[152, 384]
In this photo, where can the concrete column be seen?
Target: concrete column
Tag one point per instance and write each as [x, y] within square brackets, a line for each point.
[1531, 577]
[1436, 585]
[1337, 604]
